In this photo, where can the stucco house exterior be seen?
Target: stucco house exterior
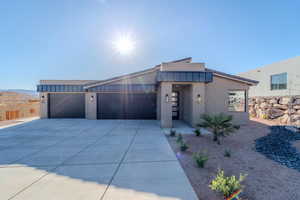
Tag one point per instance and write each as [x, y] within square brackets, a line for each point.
[177, 90]
[277, 79]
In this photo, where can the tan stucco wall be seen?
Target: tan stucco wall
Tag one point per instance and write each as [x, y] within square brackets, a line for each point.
[44, 105]
[216, 98]
[91, 105]
[198, 108]
[182, 67]
[165, 107]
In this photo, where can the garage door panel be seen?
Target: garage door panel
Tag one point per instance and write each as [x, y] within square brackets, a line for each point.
[66, 105]
[126, 106]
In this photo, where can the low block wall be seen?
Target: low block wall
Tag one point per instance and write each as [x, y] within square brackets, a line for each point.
[285, 110]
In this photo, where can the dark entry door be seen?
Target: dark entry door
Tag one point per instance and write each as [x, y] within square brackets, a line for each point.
[175, 105]
[126, 106]
[62, 105]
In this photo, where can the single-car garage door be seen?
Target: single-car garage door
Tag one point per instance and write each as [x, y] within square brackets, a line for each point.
[126, 105]
[62, 105]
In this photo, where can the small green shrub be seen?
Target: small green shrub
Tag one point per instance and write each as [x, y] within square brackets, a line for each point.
[172, 133]
[197, 132]
[183, 146]
[227, 153]
[179, 138]
[200, 159]
[227, 185]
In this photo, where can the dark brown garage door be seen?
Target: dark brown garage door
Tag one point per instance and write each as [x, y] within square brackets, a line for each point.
[66, 105]
[126, 106]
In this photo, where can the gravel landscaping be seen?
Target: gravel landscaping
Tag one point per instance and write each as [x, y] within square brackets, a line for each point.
[278, 146]
[266, 179]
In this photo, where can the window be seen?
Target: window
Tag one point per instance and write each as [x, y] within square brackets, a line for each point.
[279, 81]
[237, 100]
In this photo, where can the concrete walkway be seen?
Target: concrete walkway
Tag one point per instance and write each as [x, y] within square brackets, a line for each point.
[60, 159]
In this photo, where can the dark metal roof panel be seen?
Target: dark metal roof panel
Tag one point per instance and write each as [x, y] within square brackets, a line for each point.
[60, 88]
[124, 88]
[175, 76]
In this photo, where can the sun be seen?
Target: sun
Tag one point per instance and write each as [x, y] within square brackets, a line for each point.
[124, 44]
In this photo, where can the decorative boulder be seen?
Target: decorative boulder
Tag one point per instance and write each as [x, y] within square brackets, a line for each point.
[285, 119]
[286, 100]
[297, 101]
[297, 107]
[264, 105]
[274, 113]
[274, 101]
[282, 107]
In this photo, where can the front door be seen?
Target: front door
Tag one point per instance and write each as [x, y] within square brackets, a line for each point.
[175, 105]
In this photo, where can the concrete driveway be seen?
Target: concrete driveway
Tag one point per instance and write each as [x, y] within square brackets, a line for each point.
[61, 159]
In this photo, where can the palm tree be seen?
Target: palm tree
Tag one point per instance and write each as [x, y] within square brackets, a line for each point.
[220, 124]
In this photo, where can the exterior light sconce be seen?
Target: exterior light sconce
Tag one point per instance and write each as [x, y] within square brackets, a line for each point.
[199, 99]
[167, 98]
[92, 98]
[43, 98]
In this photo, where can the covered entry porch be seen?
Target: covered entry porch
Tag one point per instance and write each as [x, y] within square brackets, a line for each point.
[184, 101]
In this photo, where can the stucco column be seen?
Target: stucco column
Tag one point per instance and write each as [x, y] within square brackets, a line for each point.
[198, 107]
[91, 105]
[165, 107]
[44, 105]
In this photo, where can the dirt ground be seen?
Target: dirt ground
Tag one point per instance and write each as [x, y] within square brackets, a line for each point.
[266, 179]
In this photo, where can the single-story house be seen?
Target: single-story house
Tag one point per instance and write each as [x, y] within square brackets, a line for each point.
[177, 90]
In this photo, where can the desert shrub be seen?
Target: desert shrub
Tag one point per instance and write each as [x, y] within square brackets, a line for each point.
[179, 138]
[227, 185]
[227, 153]
[220, 124]
[183, 146]
[197, 132]
[172, 133]
[200, 158]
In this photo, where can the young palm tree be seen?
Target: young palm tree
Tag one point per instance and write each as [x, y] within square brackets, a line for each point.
[220, 124]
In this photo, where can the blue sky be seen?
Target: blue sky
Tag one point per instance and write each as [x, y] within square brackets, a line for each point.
[71, 39]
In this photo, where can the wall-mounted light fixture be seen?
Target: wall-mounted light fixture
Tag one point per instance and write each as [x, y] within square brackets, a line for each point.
[42, 99]
[167, 98]
[92, 98]
[199, 99]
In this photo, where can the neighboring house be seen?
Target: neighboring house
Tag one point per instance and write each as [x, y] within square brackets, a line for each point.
[277, 79]
[177, 90]
[15, 105]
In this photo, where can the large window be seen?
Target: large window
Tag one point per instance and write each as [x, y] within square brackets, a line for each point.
[237, 100]
[279, 81]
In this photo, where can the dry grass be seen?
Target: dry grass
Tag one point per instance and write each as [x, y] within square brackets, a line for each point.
[266, 180]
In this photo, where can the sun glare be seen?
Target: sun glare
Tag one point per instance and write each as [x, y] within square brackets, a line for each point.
[124, 44]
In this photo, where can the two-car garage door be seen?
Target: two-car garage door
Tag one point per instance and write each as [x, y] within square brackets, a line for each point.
[109, 105]
[126, 106]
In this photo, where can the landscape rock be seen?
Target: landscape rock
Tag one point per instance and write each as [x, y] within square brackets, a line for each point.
[277, 146]
[297, 107]
[283, 107]
[286, 100]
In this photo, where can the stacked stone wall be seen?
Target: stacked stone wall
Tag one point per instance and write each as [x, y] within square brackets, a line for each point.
[284, 110]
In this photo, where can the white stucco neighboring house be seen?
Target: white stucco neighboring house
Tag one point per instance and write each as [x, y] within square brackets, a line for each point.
[277, 79]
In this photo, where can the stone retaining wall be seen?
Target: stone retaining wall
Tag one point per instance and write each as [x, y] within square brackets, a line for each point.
[284, 110]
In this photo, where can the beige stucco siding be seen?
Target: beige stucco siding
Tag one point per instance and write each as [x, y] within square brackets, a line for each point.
[216, 98]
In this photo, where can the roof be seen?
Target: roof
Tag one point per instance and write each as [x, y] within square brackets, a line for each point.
[232, 77]
[88, 83]
[131, 75]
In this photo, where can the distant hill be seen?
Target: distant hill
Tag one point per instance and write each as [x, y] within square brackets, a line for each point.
[22, 91]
